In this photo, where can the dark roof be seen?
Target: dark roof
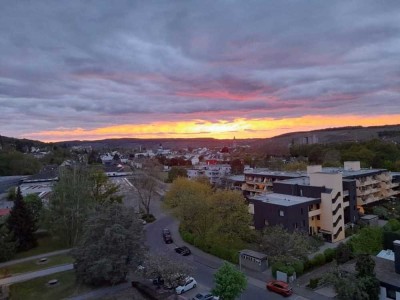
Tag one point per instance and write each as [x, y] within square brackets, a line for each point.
[254, 254]
[384, 270]
[49, 172]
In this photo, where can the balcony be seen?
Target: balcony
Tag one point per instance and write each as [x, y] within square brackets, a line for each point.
[313, 213]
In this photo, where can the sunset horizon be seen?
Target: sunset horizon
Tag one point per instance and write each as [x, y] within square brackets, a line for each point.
[249, 69]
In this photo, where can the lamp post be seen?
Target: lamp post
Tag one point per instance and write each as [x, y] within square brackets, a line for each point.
[240, 268]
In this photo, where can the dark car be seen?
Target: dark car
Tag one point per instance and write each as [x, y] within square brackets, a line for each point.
[167, 236]
[158, 281]
[279, 287]
[185, 251]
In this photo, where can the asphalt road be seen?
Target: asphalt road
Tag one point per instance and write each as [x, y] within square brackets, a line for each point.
[203, 268]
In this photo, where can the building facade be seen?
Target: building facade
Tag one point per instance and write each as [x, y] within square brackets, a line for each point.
[322, 201]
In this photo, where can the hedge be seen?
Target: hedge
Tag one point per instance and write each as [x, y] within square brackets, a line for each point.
[231, 255]
[280, 266]
[330, 254]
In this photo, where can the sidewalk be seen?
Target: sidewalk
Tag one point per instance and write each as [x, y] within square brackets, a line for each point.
[36, 274]
[21, 260]
[102, 292]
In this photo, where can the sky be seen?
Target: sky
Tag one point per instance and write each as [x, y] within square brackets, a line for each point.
[178, 69]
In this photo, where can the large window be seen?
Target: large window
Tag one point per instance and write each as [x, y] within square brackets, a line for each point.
[281, 213]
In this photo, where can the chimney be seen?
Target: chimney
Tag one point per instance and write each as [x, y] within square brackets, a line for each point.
[396, 250]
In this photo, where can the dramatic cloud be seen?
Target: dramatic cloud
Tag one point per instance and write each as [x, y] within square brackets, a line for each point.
[97, 69]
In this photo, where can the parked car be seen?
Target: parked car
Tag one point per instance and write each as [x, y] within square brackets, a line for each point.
[158, 281]
[205, 296]
[280, 287]
[185, 251]
[167, 236]
[188, 284]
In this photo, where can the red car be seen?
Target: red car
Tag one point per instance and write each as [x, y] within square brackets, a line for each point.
[279, 287]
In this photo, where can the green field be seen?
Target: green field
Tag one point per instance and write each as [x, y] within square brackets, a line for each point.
[32, 265]
[37, 288]
[46, 243]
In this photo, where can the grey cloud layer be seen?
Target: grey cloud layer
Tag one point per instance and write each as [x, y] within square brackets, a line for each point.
[68, 64]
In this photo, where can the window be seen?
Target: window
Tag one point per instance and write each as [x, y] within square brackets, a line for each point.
[304, 223]
[318, 217]
[391, 294]
[301, 210]
[281, 213]
[317, 206]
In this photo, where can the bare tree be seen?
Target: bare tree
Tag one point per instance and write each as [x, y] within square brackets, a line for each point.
[146, 187]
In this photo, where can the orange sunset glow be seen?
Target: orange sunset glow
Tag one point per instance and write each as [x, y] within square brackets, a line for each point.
[240, 128]
[196, 69]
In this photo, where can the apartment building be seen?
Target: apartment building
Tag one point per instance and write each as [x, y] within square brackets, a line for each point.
[214, 173]
[322, 201]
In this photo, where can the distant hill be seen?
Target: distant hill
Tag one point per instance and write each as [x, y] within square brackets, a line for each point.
[278, 145]
[155, 143]
[22, 145]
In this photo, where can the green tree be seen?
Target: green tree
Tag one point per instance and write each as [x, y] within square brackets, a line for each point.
[35, 205]
[286, 246]
[75, 194]
[343, 253]
[231, 220]
[176, 172]
[7, 246]
[365, 265]
[11, 194]
[229, 282]
[112, 243]
[21, 223]
[371, 286]
[102, 189]
[69, 205]
[368, 241]
[237, 166]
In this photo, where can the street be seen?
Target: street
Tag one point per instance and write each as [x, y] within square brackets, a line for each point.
[204, 265]
[203, 268]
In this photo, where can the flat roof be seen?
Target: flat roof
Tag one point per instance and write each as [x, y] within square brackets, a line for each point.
[384, 270]
[282, 199]
[299, 180]
[267, 172]
[349, 173]
[237, 178]
[254, 254]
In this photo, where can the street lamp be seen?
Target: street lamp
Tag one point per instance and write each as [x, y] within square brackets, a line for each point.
[240, 268]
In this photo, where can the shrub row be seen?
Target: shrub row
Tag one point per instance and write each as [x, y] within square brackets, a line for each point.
[216, 250]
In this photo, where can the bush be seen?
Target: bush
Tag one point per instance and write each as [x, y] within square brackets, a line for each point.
[329, 254]
[298, 267]
[307, 264]
[149, 218]
[318, 260]
[186, 236]
[344, 253]
[230, 255]
[280, 266]
[314, 283]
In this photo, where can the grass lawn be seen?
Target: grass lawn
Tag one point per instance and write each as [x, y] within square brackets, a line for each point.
[46, 243]
[37, 288]
[32, 265]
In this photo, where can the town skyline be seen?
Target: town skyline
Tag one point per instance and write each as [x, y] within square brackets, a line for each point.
[249, 69]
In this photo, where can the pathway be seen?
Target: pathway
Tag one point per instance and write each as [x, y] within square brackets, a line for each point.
[21, 260]
[36, 274]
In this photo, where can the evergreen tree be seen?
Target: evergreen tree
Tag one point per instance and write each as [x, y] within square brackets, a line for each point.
[7, 246]
[21, 224]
